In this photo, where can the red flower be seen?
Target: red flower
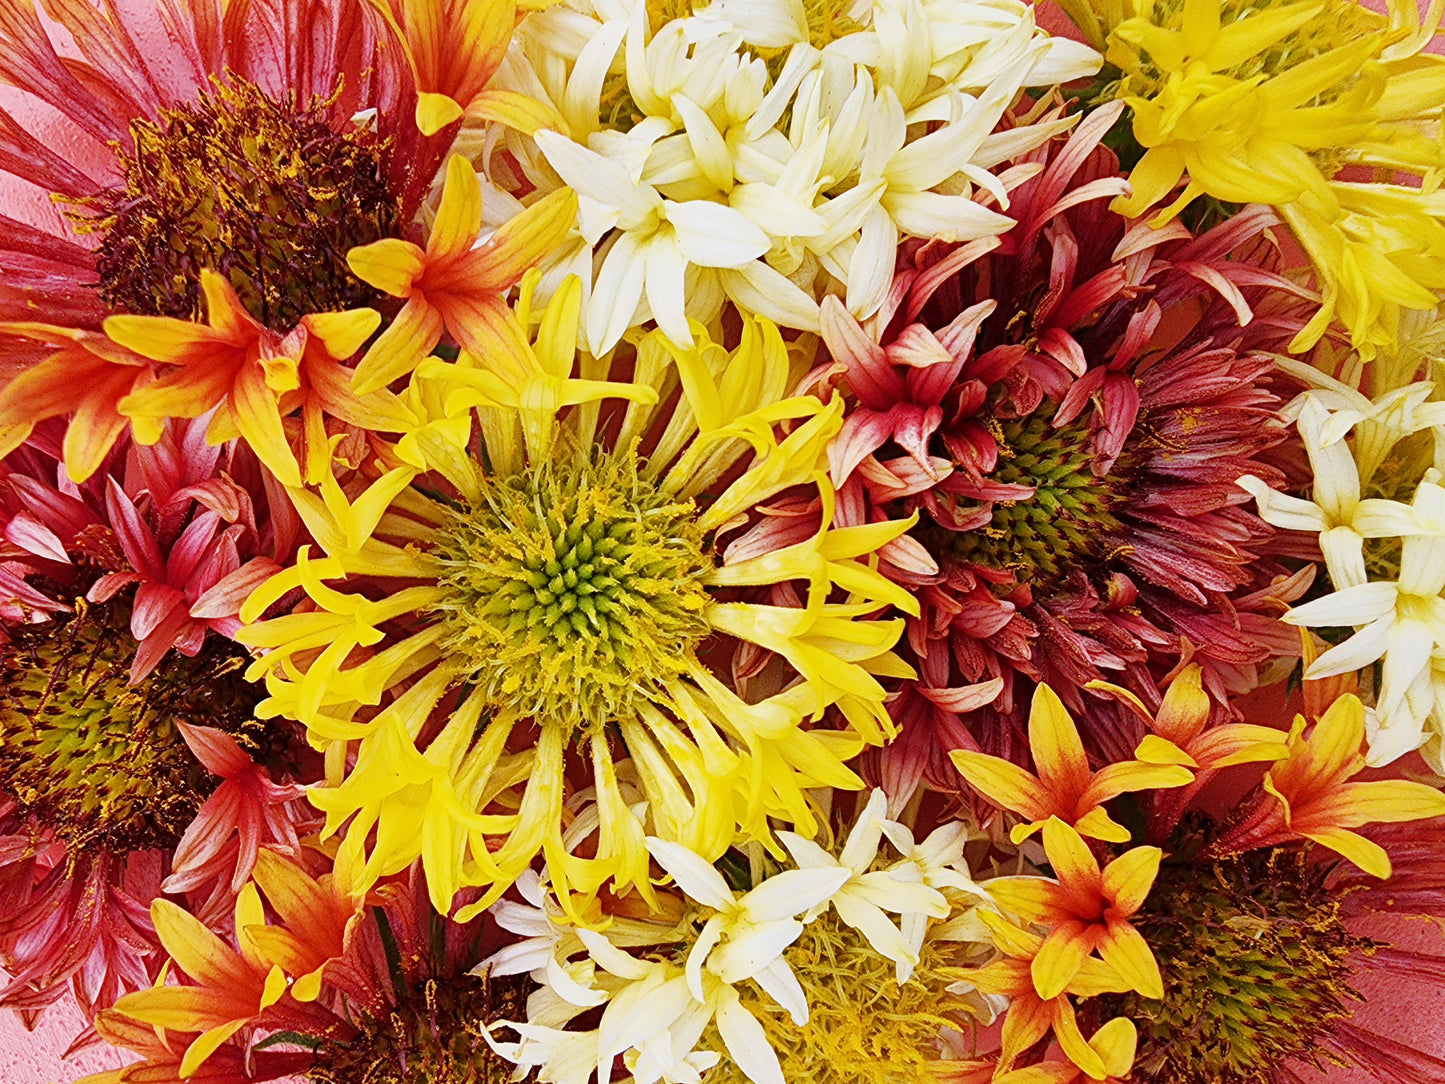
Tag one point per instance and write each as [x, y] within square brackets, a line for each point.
[1067, 408]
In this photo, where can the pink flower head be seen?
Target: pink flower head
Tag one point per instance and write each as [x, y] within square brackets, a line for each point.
[1066, 408]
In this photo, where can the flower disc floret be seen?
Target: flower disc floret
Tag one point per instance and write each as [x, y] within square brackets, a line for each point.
[573, 591]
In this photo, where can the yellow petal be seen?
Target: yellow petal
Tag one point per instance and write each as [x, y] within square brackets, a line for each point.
[1003, 783]
[1124, 949]
[1127, 879]
[1366, 854]
[391, 265]
[1060, 957]
[1057, 749]
[435, 111]
[1156, 750]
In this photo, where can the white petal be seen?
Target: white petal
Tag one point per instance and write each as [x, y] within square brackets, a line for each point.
[885, 937]
[752, 949]
[933, 214]
[862, 846]
[870, 269]
[1361, 649]
[759, 289]
[662, 257]
[693, 874]
[747, 1043]
[598, 178]
[1358, 605]
[615, 294]
[792, 892]
[714, 235]
[778, 980]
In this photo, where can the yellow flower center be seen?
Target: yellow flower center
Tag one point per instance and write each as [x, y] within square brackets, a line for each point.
[99, 760]
[863, 1028]
[573, 591]
[264, 192]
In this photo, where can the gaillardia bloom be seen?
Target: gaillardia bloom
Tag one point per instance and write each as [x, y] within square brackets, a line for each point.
[122, 700]
[1066, 410]
[562, 585]
[210, 175]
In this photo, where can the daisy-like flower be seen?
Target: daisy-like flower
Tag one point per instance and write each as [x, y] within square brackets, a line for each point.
[1066, 409]
[207, 179]
[126, 736]
[372, 984]
[556, 593]
[1308, 794]
[766, 983]
[1265, 103]
[766, 155]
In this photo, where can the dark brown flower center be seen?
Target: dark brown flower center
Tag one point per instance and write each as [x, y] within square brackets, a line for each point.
[266, 193]
[100, 761]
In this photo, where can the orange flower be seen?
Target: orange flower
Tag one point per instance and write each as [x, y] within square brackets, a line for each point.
[454, 48]
[321, 917]
[1179, 736]
[251, 375]
[1031, 1017]
[1065, 787]
[233, 988]
[451, 284]
[86, 376]
[1115, 1043]
[1087, 910]
[1309, 796]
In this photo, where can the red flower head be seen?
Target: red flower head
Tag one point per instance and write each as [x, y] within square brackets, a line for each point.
[1067, 408]
[127, 733]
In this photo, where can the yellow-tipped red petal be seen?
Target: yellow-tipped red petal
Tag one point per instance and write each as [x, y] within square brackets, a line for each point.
[1028, 1021]
[1057, 749]
[1127, 879]
[1060, 957]
[435, 111]
[1073, 863]
[1385, 801]
[1238, 743]
[1031, 898]
[1124, 949]
[1003, 783]
[195, 949]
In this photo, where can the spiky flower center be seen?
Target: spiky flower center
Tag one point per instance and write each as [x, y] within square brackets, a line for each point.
[573, 591]
[266, 193]
[863, 1027]
[434, 1036]
[100, 761]
[1070, 523]
[1254, 956]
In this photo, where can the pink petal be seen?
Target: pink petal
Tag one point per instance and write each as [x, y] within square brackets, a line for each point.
[964, 697]
[135, 537]
[31, 535]
[216, 749]
[873, 380]
[224, 599]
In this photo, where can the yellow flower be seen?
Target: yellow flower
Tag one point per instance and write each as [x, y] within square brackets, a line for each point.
[1265, 101]
[551, 594]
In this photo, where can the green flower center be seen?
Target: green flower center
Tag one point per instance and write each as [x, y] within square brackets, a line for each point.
[1254, 956]
[263, 192]
[1071, 521]
[574, 591]
[99, 760]
[434, 1036]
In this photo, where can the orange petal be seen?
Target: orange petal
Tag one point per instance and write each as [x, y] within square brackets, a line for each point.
[1074, 865]
[1071, 1040]
[1010, 939]
[196, 950]
[1031, 898]
[1127, 879]
[1027, 1022]
[1113, 780]
[401, 347]
[459, 218]
[1060, 957]
[1239, 743]
[188, 392]
[1124, 949]
[1156, 750]
[1095, 978]
[96, 426]
[391, 265]
[1097, 824]
[1336, 739]
[1003, 783]
[1365, 853]
[184, 1008]
[522, 242]
[1054, 741]
[486, 328]
[1185, 709]
[1386, 801]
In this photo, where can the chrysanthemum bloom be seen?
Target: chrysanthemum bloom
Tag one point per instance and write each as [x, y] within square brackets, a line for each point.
[767, 153]
[553, 587]
[373, 984]
[122, 702]
[258, 148]
[1271, 102]
[842, 969]
[1066, 408]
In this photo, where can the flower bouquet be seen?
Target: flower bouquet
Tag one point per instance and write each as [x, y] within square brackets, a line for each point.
[770, 541]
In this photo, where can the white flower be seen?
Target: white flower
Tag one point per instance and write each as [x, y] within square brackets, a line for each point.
[1402, 622]
[936, 862]
[745, 939]
[1335, 511]
[866, 894]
